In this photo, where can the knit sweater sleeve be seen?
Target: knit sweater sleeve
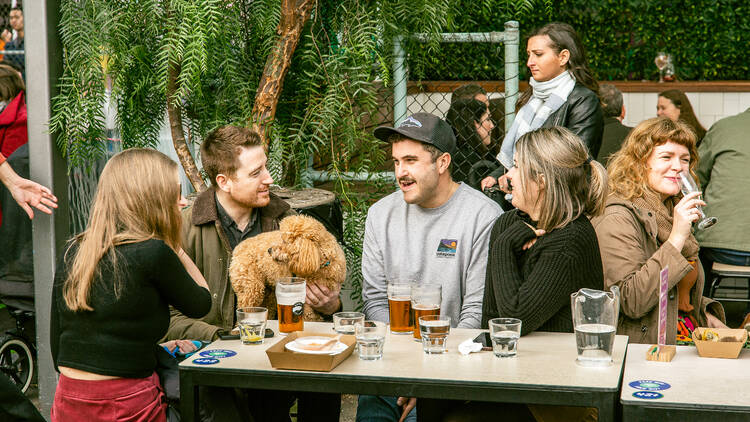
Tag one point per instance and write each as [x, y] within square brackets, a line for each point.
[534, 295]
[175, 284]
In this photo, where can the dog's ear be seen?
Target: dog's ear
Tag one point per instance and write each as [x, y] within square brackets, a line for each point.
[278, 253]
[306, 258]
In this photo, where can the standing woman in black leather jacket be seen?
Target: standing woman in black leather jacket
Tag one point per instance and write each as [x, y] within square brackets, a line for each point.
[562, 92]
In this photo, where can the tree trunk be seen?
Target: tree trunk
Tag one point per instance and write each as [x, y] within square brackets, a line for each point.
[294, 15]
[174, 111]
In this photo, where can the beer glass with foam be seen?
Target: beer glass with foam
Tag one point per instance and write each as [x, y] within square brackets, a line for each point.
[399, 306]
[425, 300]
[290, 301]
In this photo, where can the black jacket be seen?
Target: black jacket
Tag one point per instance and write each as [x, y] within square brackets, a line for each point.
[614, 134]
[582, 114]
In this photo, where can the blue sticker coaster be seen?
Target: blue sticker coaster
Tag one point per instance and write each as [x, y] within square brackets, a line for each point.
[649, 385]
[205, 361]
[218, 353]
[647, 395]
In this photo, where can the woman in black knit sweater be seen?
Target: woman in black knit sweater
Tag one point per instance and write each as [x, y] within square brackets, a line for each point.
[546, 249]
[113, 289]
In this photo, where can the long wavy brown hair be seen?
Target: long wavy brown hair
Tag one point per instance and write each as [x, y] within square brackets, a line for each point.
[136, 200]
[628, 168]
[681, 101]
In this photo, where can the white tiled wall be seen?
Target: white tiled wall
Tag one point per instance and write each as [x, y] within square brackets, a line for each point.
[708, 106]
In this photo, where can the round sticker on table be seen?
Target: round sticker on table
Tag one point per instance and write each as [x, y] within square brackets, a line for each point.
[649, 385]
[205, 361]
[647, 395]
[218, 353]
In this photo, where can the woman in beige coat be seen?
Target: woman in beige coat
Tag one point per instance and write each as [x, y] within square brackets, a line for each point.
[646, 226]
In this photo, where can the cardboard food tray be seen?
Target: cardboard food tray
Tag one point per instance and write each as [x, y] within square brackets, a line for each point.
[720, 349]
[281, 358]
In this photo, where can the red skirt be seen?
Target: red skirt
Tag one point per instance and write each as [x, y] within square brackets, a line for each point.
[117, 400]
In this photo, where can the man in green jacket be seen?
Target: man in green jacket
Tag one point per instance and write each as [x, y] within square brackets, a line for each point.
[724, 176]
[239, 206]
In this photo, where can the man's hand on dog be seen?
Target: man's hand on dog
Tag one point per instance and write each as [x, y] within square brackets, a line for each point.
[322, 299]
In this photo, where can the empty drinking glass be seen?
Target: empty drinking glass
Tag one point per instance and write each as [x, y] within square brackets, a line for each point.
[505, 333]
[434, 330]
[370, 336]
[252, 324]
[343, 322]
[687, 186]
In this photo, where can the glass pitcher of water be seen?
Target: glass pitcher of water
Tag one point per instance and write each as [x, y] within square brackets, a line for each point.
[595, 322]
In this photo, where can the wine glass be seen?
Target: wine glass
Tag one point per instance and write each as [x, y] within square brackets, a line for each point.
[669, 70]
[687, 186]
[660, 61]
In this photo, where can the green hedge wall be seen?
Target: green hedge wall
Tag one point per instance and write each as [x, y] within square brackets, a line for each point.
[708, 39]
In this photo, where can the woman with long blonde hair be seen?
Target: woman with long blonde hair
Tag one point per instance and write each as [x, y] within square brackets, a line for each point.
[538, 250]
[647, 226]
[112, 292]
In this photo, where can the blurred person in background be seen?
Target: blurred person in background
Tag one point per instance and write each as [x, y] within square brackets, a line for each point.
[13, 132]
[562, 92]
[614, 112]
[472, 126]
[675, 105]
[722, 172]
[470, 92]
[15, 43]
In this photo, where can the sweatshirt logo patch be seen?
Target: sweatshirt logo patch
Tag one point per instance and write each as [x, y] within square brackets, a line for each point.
[447, 248]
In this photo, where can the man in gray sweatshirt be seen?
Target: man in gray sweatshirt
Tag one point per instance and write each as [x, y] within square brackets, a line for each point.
[433, 230]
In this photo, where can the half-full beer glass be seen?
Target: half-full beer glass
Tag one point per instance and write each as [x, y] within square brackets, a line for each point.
[399, 306]
[290, 301]
[425, 300]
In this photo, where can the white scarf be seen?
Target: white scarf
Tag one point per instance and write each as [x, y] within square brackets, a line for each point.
[546, 98]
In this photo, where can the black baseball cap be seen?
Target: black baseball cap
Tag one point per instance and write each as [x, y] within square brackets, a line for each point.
[422, 127]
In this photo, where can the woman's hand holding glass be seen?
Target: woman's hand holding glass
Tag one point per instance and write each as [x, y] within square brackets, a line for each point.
[687, 186]
[685, 214]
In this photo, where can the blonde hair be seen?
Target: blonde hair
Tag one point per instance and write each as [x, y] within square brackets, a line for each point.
[136, 200]
[570, 184]
[628, 167]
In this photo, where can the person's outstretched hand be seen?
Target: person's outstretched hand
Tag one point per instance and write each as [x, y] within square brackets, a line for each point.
[27, 193]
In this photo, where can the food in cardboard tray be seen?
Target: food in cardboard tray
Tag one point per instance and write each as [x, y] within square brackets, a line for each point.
[710, 335]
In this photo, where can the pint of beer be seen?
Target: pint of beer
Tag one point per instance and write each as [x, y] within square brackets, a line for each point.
[290, 301]
[425, 300]
[399, 307]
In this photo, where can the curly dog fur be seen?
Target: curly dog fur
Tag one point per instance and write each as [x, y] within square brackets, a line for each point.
[301, 247]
